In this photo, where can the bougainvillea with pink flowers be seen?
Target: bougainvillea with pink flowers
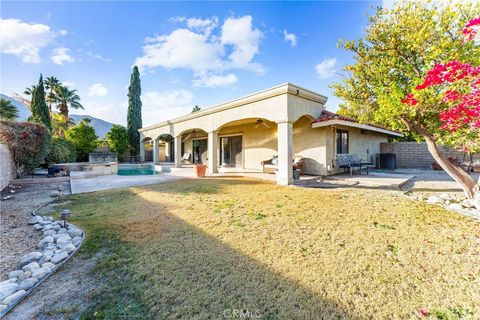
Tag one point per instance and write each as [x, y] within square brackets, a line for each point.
[417, 71]
[459, 85]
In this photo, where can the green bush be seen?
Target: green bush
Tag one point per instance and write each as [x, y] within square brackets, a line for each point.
[61, 151]
[83, 138]
[28, 143]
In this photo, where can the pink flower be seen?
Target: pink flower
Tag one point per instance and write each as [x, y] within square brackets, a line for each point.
[471, 29]
[422, 312]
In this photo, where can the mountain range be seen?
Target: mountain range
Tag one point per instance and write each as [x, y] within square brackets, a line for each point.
[101, 126]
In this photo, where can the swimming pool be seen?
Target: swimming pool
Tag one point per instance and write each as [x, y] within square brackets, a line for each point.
[137, 172]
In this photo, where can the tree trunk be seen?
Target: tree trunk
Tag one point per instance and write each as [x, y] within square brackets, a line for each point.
[470, 188]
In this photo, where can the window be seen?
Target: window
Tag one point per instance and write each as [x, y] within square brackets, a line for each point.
[342, 141]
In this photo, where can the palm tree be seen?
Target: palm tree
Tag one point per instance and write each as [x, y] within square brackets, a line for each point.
[51, 84]
[65, 99]
[8, 111]
[29, 90]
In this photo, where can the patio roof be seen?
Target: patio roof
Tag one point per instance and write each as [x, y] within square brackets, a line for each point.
[328, 118]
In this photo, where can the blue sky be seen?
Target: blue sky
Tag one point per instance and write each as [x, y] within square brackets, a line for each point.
[189, 53]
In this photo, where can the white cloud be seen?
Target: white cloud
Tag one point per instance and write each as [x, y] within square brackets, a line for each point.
[202, 25]
[165, 105]
[63, 32]
[205, 49]
[61, 55]
[97, 90]
[326, 68]
[214, 81]
[24, 39]
[181, 49]
[290, 38]
[245, 40]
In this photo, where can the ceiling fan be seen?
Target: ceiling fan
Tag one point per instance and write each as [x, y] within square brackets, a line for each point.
[261, 122]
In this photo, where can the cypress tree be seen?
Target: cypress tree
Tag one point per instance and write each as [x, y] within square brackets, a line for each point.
[134, 115]
[39, 108]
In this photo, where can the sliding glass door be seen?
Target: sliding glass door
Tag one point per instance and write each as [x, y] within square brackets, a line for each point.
[231, 151]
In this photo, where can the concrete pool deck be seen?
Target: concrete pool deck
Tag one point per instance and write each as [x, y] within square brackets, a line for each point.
[108, 182]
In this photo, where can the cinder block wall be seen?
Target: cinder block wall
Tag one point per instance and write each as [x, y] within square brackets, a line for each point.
[7, 172]
[416, 155]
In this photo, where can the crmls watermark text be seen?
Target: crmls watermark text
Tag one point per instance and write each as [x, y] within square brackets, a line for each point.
[242, 314]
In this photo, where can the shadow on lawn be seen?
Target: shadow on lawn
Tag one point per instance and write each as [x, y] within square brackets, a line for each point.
[181, 272]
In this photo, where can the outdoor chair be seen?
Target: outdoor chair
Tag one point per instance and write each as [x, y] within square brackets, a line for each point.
[186, 157]
[363, 165]
[351, 161]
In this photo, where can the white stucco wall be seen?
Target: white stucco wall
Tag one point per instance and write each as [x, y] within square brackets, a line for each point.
[7, 172]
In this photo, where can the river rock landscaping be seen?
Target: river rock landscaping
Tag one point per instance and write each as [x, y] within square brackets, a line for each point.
[60, 240]
[454, 202]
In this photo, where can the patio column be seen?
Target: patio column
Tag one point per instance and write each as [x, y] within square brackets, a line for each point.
[178, 151]
[212, 152]
[285, 152]
[142, 151]
[156, 150]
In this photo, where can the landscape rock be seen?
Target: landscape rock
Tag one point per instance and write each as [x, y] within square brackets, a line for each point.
[44, 241]
[35, 220]
[14, 297]
[44, 222]
[38, 227]
[434, 200]
[55, 194]
[27, 283]
[70, 247]
[75, 232]
[59, 257]
[455, 206]
[15, 274]
[77, 241]
[31, 266]
[49, 233]
[61, 231]
[40, 273]
[25, 275]
[12, 280]
[2, 307]
[47, 227]
[56, 227]
[48, 218]
[7, 289]
[30, 257]
[49, 265]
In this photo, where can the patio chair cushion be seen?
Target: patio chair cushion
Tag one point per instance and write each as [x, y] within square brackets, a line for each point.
[274, 160]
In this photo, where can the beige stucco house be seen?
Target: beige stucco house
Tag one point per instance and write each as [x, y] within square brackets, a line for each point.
[287, 121]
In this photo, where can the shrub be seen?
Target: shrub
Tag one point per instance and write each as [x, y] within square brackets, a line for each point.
[61, 150]
[83, 138]
[28, 143]
[117, 139]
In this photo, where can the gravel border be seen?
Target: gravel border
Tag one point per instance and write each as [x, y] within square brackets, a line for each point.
[12, 305]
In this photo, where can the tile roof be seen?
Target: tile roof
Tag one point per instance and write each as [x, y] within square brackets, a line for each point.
[328, 116]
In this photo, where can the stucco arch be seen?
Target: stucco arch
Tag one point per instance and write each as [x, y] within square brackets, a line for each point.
[238, 122]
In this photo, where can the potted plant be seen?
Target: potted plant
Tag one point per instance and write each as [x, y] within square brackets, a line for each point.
[200, 170]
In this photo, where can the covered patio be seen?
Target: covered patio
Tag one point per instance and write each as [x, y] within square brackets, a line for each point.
[238, 135]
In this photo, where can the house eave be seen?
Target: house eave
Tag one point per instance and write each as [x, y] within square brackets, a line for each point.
[285, 88]
[355, 125]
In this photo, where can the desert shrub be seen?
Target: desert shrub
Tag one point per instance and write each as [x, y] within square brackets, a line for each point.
[28, 143]
[61, 150]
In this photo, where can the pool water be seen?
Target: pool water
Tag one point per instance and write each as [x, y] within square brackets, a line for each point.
[136, 172]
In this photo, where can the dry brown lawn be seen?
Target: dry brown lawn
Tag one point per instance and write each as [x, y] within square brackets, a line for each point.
[199, 247]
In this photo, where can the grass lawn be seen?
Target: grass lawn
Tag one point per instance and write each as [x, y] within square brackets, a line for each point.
[192, 249]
